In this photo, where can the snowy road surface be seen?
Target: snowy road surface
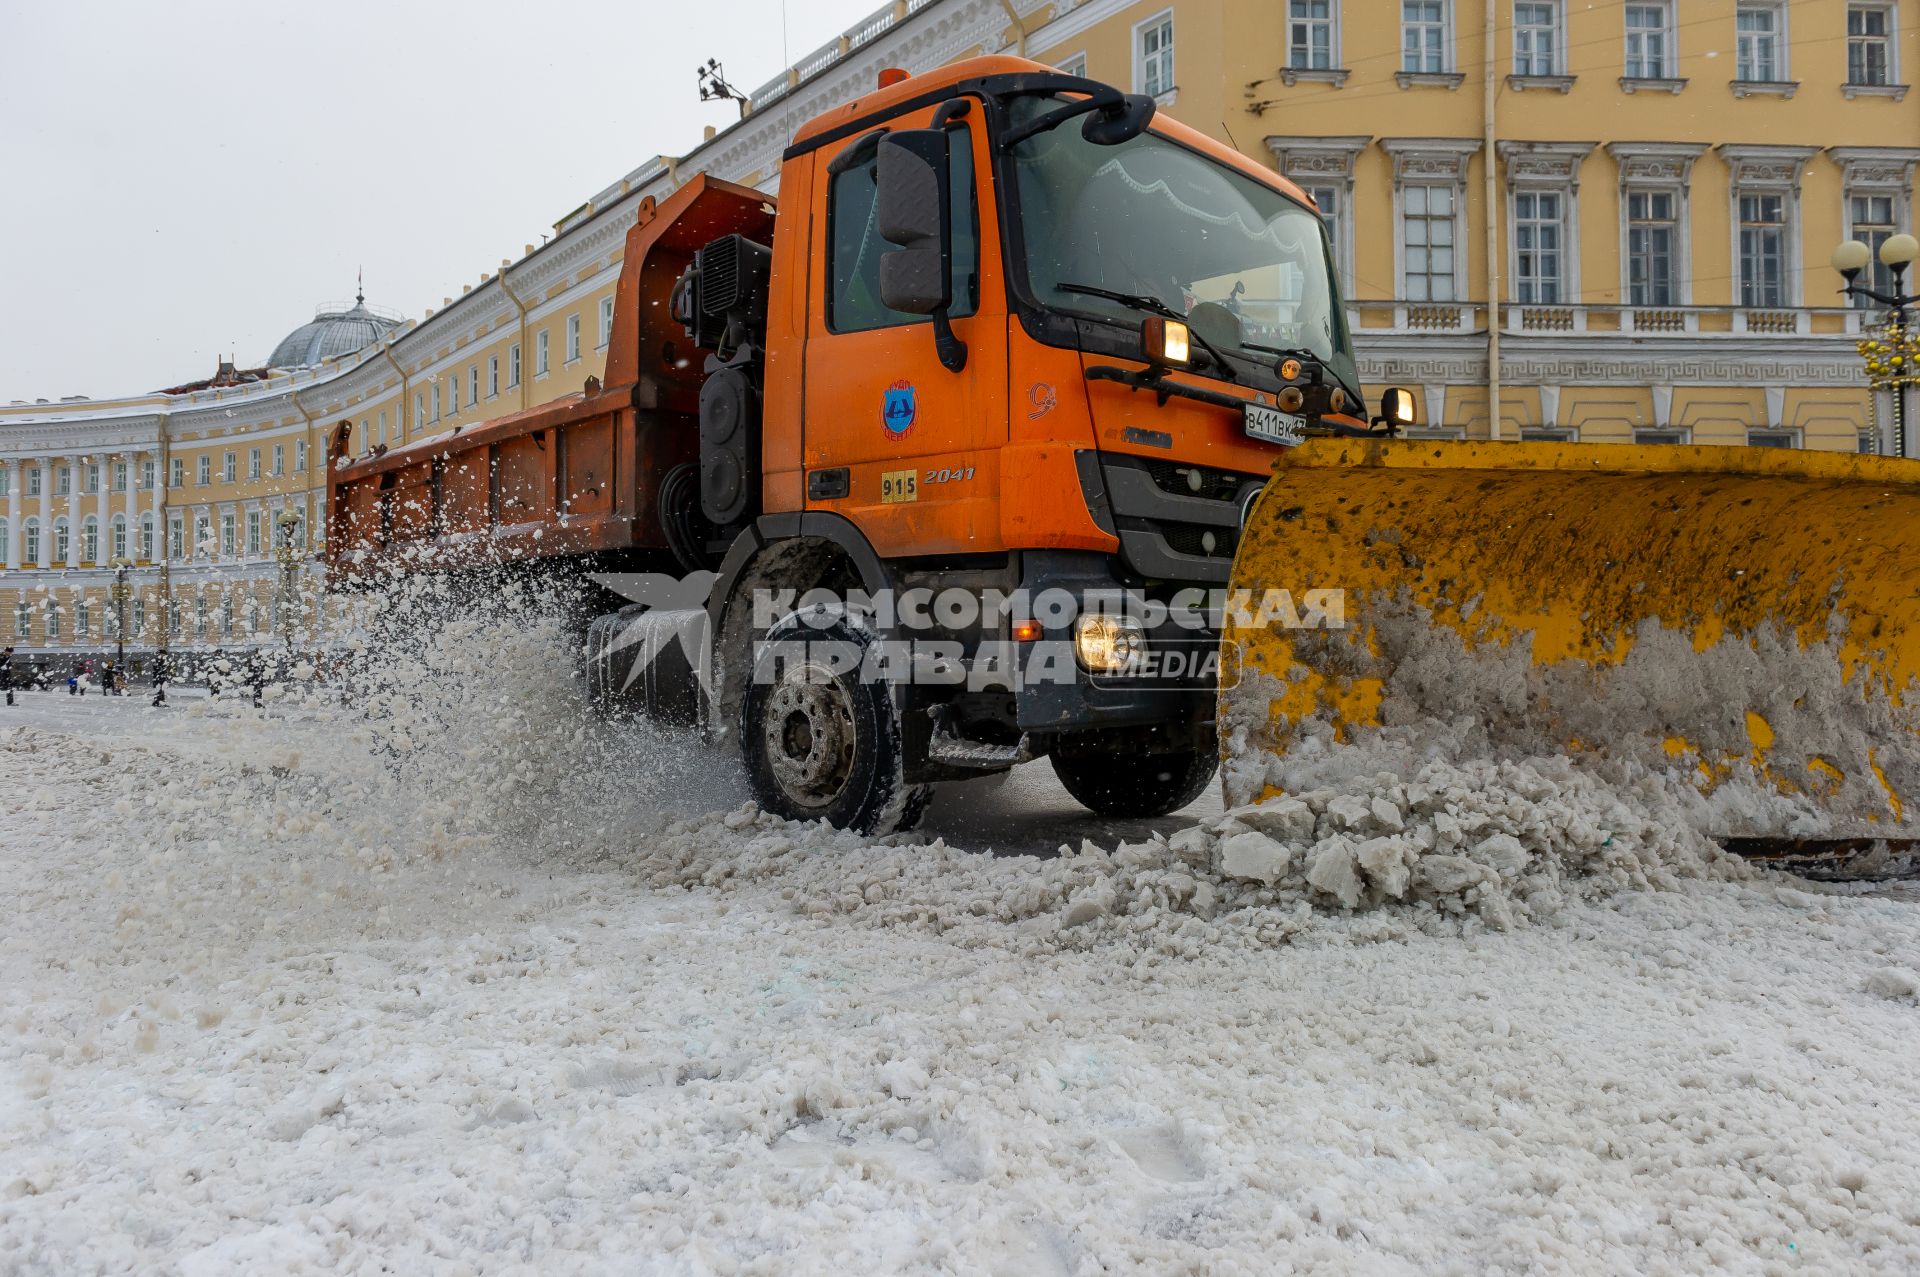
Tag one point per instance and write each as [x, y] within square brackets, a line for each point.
[271, 1002]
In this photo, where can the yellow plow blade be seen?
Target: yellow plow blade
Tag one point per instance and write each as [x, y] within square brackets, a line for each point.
[1738, 616]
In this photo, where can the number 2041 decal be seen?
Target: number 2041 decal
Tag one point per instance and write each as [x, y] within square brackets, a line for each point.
[904, 485]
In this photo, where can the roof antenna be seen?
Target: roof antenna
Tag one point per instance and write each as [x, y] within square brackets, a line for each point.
[360, 286]
[714, 86]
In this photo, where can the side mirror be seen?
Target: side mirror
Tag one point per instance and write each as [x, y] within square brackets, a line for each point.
[910, 209]
[1397, 408]
[1121, 122]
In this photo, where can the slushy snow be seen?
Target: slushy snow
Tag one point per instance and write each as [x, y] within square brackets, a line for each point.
[446, 980]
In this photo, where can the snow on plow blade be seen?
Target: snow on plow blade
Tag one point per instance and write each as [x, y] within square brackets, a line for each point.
[1748, 619]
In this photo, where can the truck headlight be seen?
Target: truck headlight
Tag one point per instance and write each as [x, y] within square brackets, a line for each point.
[1107, 644]
[1166, 340]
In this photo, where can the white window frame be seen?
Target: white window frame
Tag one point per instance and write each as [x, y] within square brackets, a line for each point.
[606, 323]
[1782, 43]
[203, 473]
[1554, 167]
[434, 390]
[1446, 40]
[1678, 277]
[493, 376]
[1767, 170]
[90, 539]
[63, 481]
[179, 469]
[1557, 26]
[92, 478]
[120, 536]
[146, 537]
[1786, 229]
[299, 456]
[253, 534]
[1430, 161]
[473, 385]
[254, 462]
[149, 471]
[36, 481]
[279, 460]
[120, 476]
[230, 466]
[513, 366]
[1168, 93]
[573, 339]
[1876, 171]
[1891, 12]
[453, 393]
[1668, 66]
[542, 354]
[1330, 23]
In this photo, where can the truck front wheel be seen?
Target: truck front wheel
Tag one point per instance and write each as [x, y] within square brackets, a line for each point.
[821, 742]
[1135, 785]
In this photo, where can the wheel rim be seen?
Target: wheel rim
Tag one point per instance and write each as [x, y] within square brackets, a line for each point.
[808, 735]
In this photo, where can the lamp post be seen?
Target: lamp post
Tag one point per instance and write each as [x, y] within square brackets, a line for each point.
[1893, 358]
[121, 593]
[289, 556]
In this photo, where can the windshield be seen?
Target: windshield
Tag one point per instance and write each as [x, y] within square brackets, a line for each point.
[1247, 266]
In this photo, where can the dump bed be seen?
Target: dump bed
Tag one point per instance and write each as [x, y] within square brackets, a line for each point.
[575, 476]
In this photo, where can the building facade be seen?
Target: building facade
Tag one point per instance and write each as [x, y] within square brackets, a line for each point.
[1648, 191]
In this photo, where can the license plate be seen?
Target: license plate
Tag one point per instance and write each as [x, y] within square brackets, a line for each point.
[1274, 426]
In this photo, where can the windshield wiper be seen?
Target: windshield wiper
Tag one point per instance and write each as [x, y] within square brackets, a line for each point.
[1285, 352]
[1153, 306]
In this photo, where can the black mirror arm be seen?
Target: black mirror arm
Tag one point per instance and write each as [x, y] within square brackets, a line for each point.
[947, 344]
[1107, 99]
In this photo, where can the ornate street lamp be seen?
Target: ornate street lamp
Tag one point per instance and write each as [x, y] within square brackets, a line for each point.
[1892, 351]
[289, 556]
[122, 591]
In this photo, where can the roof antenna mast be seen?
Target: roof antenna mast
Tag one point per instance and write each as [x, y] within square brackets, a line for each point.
[714, 86]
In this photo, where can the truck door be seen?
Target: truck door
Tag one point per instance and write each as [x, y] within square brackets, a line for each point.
[918, 444]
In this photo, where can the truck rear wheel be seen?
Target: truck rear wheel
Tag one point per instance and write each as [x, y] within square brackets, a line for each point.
[821, 742]
[1135, 785]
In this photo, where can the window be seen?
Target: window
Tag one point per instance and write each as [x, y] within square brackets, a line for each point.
[176, 538]
[1310, 35]
[149, 469]
[1427, 228]
[513, 365]
[23, 620]
[1660, 436]
[82, 618]
[177, 472]
[855, 249]
[1423, 36]
[33, 481]
[253, 463]
[229, 535]
[146, 537]
[1075, 65]
[62, 540]
[202, 536]
[253, 533]
[63, 481]
[573, 338]
[473, 385]
[6, 479]
[493, 375]
[453, 394]
[1650, 249]
[119, 476]
[540, 353]
[226, 616]
[299, 456]
[1763, 234]
[1869, 45]
[419, 409]
[1537, 236]
[1327, 198]
[90, 539]
[436, 402]
[139, 616]
[606, 321]
[30, 543]
[119, 536]
[1773, 438]
[53, 623]
[1757, 43]
[1649, 42]
[6, 541]
[1536, 38]
[279, 459]
[1153, 55]
[1870, 220]
[93, 476]
[205, 475]
[230, 467]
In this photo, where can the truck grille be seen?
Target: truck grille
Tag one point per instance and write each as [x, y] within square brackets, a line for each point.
[1178, 479]
[1186, 538]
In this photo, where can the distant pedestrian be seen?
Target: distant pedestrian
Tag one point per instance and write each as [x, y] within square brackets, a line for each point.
[106, 678]
[257, 676]
[160, 672]
[6, 672]
[73, 679]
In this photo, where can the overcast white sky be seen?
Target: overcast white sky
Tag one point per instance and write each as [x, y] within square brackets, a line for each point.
[184, 179]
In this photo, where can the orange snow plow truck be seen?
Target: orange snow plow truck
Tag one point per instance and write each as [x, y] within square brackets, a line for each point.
[975, 448]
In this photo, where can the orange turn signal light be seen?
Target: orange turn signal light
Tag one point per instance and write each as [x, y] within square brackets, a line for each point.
[1026, 631]
[890, 76]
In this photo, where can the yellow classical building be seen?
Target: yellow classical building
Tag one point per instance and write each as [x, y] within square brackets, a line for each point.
[1648, 192]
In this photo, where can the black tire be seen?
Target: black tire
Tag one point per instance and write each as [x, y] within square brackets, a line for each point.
[821, 745]
[1135, 785]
